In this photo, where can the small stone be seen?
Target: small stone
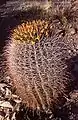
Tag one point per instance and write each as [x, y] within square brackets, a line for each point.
[77, 47]
[72, 31]
[17, 101]
[6, 104]
[69, 51]
[2, 85]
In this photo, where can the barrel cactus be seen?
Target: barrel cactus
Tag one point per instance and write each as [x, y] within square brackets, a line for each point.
[36, 62]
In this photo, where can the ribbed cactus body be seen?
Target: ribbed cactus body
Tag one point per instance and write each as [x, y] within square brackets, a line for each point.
[38, 70]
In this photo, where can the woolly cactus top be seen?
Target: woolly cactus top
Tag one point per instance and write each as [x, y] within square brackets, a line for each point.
[31, 31]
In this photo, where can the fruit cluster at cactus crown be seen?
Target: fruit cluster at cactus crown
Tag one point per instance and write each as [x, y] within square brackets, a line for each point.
[31, 31]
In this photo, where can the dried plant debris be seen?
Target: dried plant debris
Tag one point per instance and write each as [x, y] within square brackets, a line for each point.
[9, 103]
[61, 18]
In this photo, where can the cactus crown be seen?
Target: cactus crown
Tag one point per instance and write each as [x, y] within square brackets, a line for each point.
[31, 31]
